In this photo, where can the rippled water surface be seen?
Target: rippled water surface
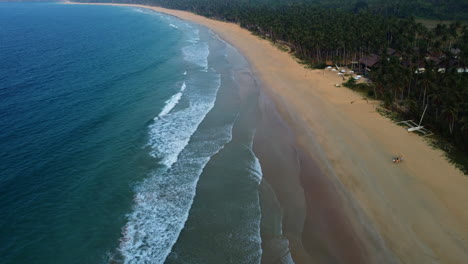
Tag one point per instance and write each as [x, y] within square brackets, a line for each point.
[124, 138]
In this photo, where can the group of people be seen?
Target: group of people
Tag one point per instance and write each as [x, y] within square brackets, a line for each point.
[397, 159]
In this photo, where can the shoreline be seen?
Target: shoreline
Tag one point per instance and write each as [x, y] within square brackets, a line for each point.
[315, 220]
[416, 207]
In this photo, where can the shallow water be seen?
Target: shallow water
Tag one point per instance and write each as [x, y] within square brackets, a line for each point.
[126, 137]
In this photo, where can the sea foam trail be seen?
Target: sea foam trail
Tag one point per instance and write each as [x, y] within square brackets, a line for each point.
[172, 102]
[171, 135]
[197, 54]
[163, 201]
[255, 239]
[171, 132]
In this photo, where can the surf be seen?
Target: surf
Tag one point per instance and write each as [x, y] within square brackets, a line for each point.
[172, 102]
[163, 200]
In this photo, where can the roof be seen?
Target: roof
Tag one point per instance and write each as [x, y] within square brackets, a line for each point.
[370, 60]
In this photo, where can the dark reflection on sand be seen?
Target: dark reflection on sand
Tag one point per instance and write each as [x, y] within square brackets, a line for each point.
[304, 210]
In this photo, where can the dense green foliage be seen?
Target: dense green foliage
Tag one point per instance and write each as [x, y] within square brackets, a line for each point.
[429, 9]
[317, 33]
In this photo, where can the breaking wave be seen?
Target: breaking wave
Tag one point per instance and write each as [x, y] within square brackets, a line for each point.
[172, 102]
[197, 54]
[163, 201]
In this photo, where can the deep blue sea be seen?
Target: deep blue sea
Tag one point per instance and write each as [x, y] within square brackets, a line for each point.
[125, 137]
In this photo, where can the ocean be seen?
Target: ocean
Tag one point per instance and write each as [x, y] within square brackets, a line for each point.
[125, 137]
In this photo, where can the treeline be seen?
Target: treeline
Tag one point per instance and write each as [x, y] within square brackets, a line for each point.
[431, 70]
[425, 67]
[427, 9]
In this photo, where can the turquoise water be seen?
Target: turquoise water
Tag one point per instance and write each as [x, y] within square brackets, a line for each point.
[125, 138]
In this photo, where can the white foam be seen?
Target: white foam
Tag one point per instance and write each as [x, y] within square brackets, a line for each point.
[144, 11]
[163, 201]
[174, 26]
[283, 242]
[256, 170]
[193, 35]
[170, 135]
[172, 102]
[256, 175]
[197, 53]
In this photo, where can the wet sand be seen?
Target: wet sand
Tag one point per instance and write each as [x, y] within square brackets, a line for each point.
[343, 200]
[315, 206]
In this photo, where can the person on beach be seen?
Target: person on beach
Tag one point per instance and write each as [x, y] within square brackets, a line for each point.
[397, 159]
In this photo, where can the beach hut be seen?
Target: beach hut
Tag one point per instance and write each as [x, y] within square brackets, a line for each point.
[370, 61]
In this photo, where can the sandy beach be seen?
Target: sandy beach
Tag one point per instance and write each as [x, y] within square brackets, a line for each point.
[365, 208]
